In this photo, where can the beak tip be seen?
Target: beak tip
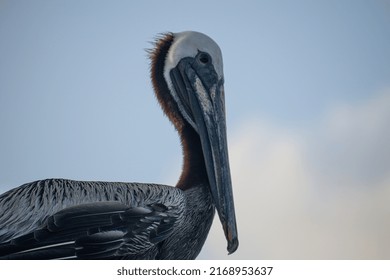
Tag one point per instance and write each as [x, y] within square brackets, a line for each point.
[232, 245]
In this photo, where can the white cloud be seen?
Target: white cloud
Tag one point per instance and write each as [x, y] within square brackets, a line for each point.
[352, 144]
[318, 193]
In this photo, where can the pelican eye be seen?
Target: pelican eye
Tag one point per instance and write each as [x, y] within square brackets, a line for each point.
[204, 58]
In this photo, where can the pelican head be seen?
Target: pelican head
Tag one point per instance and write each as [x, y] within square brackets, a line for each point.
[187, 75]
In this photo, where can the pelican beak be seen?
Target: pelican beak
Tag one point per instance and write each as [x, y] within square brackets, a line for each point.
[200, 93]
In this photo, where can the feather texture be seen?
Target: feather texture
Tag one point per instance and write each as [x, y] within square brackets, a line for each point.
[65, 219]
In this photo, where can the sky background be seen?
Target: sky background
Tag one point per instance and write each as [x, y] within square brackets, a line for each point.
[307, 86]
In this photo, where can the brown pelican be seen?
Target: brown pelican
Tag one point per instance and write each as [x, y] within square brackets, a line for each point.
[65, 219]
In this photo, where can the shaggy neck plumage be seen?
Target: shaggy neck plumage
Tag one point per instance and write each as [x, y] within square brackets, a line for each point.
[194, 170]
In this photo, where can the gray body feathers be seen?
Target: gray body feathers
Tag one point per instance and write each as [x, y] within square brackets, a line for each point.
[66, 219]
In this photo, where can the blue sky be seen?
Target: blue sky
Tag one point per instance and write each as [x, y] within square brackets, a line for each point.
[307, 92]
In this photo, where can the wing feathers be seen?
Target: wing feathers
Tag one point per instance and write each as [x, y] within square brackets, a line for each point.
[95, 230]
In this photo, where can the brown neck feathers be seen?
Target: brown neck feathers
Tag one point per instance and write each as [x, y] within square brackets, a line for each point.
[194, 170]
